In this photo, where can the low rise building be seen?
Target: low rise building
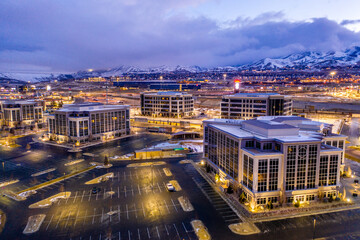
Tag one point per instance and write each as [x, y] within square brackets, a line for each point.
[251, 105]
[21, 113]
[85, 122]
[166, 104]
[276, 159]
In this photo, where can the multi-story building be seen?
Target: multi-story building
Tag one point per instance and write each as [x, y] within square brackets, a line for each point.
[21, 113]
[84, 122]
[251, 105]
[279, 159]
[167, 104]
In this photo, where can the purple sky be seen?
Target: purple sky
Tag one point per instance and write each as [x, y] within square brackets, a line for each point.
[64, 35]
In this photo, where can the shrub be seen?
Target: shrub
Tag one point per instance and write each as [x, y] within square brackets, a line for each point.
[242, 198]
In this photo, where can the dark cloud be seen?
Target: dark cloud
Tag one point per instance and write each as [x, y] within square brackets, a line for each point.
[72, 35]
[347, 22]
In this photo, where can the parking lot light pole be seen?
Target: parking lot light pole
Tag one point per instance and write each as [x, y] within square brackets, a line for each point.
[314, 228]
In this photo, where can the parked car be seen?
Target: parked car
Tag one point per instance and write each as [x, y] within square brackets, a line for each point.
[95, 190]
[170, 187]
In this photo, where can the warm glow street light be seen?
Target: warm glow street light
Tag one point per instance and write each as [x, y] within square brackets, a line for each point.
[48, 87]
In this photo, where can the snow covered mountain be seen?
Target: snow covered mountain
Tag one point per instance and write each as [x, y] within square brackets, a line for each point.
[301, 61]
[310, 60]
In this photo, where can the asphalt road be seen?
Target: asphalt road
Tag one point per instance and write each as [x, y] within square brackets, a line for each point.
[141, 206]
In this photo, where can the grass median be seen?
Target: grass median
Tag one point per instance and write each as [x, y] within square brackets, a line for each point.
[56, 180]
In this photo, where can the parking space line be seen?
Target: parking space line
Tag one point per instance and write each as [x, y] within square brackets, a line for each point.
[83, 196]
[132, 190]
[136, 175]
[75, 196]
[174, 205]
[124, 176]
[130, 175]
[67, 220]
[125, 190]
[166, 230]
[159, 172]
[67, 200]
[119, 213]
[139, 189]
[148, 232]
[94, 216]
[49, 222]
[177, 232]
[158, 232]
[59, 220]
[77, 214]
[89, 195]
[119, 236]
[97, 195]
[184, 227]
[118, 176]
[167, 206]
[85, 217]
[139, 234]
[118, 192]
[142, 205]
[159, 187]
[104, 192]
[111, 194]
[102, 215]
[135, 211]
[127, 212]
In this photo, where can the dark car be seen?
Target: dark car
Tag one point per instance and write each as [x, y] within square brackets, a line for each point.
[95, 190]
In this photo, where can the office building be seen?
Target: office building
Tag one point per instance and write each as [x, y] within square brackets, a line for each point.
[252, 105]
[282, 159]
[167, 104]
[84, 122]
[21, 113]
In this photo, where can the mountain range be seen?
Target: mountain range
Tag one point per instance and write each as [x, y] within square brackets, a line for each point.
[309, 60]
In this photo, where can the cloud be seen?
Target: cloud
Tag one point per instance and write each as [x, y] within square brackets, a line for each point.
[73, 35]
[346, 22]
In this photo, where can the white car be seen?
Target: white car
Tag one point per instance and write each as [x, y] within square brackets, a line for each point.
[170, 187]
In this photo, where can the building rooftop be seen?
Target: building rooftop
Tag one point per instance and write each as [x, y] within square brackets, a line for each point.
[166, 93]
[267, 124]
[89, 107]
[254, 95]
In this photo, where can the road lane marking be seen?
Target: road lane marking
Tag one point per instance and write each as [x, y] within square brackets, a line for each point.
[139, 234]
[129, 234]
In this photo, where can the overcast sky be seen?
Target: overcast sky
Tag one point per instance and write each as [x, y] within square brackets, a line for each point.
[72, 35]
